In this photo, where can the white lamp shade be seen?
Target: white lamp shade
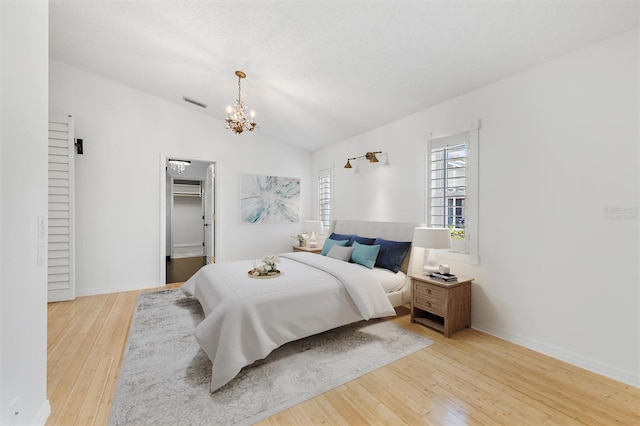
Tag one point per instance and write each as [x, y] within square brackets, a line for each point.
[432, 238]
[311, 226]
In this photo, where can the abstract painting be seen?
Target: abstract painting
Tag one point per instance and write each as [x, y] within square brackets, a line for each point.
[270, 199]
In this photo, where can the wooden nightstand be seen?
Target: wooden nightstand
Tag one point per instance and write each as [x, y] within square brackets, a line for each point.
[317, 250]
[443, 306]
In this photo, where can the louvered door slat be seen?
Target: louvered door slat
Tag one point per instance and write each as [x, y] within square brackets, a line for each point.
[61, 274]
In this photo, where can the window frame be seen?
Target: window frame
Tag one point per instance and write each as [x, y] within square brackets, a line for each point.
[322, 174]
[471, 137]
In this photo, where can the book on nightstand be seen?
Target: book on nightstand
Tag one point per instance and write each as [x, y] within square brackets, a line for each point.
[448, 278]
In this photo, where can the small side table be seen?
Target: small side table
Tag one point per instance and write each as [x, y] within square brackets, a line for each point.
[316, 250]
[442, 306]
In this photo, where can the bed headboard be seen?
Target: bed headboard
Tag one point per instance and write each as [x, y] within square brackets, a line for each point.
[394, 231]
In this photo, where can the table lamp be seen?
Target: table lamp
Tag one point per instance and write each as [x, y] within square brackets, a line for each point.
[311, 227]
[431, 239]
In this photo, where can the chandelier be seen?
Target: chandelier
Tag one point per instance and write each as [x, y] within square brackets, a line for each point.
[237, 120]
[179, 165]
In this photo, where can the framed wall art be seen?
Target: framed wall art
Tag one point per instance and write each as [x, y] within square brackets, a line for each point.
[269, 199]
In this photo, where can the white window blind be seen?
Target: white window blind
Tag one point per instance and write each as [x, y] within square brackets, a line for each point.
[324, 198]
[452, 188]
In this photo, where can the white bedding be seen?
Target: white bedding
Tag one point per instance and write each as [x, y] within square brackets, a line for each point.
[247, 318]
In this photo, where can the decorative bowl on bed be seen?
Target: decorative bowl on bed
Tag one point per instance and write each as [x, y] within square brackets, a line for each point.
[261, 274]
[267, 269]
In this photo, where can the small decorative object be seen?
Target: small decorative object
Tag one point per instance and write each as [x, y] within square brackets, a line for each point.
[312, 227]
[301, 238]
[443, 268]
[266, 269]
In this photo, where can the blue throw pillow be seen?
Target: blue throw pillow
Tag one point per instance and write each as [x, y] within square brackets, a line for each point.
[392, 253]
[328, 243]
[340, 237]
[362, 240]
[364, 255]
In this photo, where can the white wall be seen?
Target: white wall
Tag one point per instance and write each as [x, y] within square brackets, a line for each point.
[559, 150]
[23, 197]
[187, 221]
[125, 131]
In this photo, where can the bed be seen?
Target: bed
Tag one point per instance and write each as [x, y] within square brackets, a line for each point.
[247, 318]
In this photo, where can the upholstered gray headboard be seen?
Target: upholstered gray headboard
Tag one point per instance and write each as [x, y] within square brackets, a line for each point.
[395, 231]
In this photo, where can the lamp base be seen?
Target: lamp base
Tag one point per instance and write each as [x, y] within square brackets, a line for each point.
[429, 269]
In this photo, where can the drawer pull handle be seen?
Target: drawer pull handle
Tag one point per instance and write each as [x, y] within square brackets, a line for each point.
[429, 290]
[429, 304]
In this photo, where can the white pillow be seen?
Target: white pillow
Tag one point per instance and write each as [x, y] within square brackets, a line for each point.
[340, 253]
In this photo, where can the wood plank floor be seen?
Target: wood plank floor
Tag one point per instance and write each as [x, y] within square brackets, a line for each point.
[181, 269]
[469, 379]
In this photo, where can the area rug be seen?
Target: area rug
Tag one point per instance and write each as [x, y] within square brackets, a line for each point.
[165, 376]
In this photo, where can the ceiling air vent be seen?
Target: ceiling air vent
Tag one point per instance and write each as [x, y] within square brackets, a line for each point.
[193, 101]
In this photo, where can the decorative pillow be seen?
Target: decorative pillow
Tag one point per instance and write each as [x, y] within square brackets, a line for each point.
[328, 243]
[362, 240]
[340, 253]
[340, 237]
[364, 255]
[392, 253]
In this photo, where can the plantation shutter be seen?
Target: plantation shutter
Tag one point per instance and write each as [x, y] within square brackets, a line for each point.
[324, 198]
[61, 252]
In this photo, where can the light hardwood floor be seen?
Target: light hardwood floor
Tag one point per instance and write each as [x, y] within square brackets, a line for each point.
[470, 378]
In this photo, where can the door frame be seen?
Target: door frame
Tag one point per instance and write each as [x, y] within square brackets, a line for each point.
[162, 281]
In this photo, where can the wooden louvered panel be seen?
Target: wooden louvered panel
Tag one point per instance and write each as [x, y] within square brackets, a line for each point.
[59, 125]
[59, 222]
[58, 238]
[58, 174]
[59, 246]
[58, 254]
[54, 150]
[59, 262]
[55, 270]
[59, 215]
[58, 159]
[62, 167]
[58, 206]
[61, 275]
[58, 190]
[59, 286]
[58, 230]
[58, 198]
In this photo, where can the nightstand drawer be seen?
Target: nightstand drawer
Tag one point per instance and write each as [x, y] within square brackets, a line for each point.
[429, 291]
[432, 305]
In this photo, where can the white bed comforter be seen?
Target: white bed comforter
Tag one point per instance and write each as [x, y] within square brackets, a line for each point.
[247, 318]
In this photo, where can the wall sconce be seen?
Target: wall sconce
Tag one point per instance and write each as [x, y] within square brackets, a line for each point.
[371, 156]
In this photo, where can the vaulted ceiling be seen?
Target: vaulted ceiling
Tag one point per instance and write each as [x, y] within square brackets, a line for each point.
[319, 72]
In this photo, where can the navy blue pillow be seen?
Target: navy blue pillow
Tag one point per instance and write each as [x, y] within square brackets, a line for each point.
[362, 240]
[340, 237]
[391, 254]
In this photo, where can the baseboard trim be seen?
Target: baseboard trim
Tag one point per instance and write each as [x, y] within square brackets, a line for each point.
[572, 358]
[117, 289]
[43, 414]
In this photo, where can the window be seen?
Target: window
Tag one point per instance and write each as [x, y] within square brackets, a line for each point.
[452, 179]
[324, 198]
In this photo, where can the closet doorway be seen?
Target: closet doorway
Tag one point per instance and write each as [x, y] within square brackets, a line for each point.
[190, 217]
